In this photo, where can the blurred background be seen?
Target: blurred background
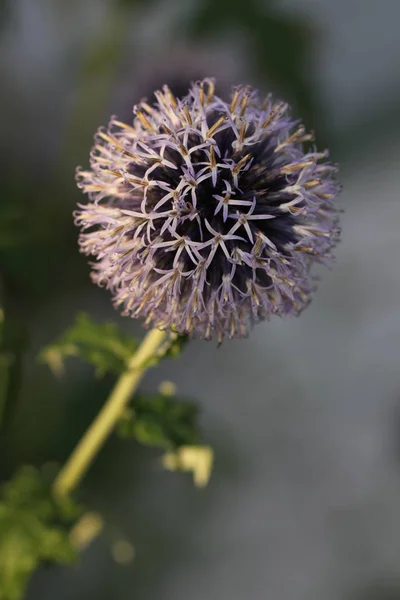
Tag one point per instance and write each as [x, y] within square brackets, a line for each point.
[304, 416]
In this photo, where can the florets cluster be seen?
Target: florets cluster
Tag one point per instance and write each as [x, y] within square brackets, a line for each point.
[205, 216]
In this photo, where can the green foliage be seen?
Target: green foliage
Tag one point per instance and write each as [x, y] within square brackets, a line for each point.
[104, 346]
[33, 529]
[100, 344]
[162, 421]
[5, 365]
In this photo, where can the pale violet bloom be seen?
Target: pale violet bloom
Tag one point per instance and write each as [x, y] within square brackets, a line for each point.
[205, 216]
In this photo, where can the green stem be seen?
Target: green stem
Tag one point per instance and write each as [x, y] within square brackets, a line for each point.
[76, 466]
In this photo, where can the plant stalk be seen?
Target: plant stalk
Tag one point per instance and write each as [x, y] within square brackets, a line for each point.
[81, 458]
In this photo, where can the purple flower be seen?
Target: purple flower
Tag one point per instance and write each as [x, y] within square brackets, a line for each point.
[205, 216]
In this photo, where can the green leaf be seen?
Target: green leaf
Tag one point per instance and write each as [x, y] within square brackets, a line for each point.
[33, 529]
[100, 344]
[162, 421]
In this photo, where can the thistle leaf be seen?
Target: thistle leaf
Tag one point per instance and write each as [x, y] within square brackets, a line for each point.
[100, 344]
[33, 529]
[162, 421]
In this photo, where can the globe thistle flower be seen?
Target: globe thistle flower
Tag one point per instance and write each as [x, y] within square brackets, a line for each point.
[206, 216]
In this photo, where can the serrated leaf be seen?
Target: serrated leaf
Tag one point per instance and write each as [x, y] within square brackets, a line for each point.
[195, 459]
[160, 420]
[33, 529]
[100, 344]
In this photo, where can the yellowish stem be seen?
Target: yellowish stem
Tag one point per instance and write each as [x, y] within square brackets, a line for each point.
[78, 463]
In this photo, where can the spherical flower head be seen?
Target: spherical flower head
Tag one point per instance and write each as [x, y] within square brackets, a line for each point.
[206, 216]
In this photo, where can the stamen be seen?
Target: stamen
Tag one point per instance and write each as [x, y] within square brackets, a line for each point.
[147, 108]
[123, 125]
[187, 115]
[170, 95]
[201, 94]
[212, 157]
[211, 89]
[234, 101]
[215, 126]
[241, 163]
[243, 104]
[296, 166]
[242, 134]
[143, 120]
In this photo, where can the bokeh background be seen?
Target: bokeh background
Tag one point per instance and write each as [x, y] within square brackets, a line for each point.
[304, 416]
